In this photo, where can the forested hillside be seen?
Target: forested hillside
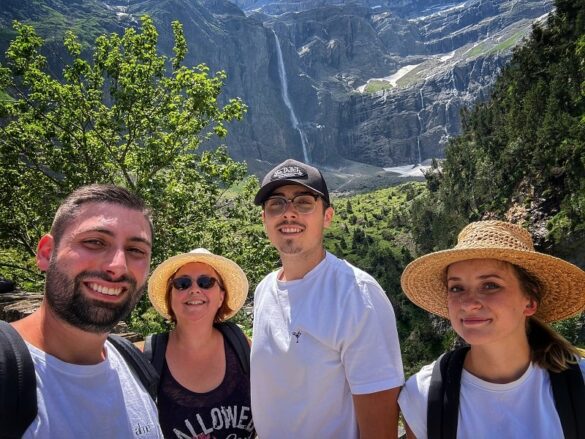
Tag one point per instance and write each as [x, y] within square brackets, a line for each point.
[522, 154]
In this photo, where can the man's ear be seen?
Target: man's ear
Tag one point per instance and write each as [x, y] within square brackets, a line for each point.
[44, 252]
[328, 217]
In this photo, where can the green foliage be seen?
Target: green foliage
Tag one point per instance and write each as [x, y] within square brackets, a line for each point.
[524, 150]
[573, 330]
[130, 117]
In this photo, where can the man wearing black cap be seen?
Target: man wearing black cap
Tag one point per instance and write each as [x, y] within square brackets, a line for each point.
[325, 357]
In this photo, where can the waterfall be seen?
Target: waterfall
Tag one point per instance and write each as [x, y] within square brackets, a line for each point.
[286, 99]
[420, 126]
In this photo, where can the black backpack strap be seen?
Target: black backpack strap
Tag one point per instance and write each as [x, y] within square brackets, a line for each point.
[155, 348]
[237, 339]
[569, 395]
[147, 375]
[18, 384]
[435, 401]
[443, 399]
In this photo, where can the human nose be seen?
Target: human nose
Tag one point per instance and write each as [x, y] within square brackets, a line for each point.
[469, 300]
[116, 264]
[289, 209]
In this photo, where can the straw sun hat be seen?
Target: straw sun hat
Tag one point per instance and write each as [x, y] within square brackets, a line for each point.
[563, 283]
[233, 278]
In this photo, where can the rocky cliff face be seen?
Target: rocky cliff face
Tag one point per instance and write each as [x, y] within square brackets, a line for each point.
[221, 36]
[378, 82]
[276, 7]
[390, 89]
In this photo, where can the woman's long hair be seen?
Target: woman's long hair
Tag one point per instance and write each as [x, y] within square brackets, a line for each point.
[550, 350]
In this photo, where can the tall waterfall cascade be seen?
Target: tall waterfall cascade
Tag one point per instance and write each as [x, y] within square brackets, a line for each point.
[420, 126]
[286, 99]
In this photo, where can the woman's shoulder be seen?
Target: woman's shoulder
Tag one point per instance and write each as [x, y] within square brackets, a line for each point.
[413, 400]
[420, 381]
[416, 388]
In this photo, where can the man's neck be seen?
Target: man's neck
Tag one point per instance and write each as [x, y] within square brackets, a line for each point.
[44, 330]
[296, 266]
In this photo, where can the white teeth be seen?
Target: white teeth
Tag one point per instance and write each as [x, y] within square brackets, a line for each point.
[195, 302]
[290, 230]
[105, 290]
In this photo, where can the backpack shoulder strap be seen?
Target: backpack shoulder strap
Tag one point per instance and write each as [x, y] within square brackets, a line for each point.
[237, 339]
[569, 395]
[18, 384]
[435, 400]
[443, 399]
[147, 375]
[155, 348]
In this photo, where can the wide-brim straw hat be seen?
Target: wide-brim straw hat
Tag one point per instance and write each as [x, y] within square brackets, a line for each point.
[563, 295]
[233, 277]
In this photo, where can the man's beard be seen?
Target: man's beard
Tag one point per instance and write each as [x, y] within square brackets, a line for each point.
[288, 246]
[67, 300]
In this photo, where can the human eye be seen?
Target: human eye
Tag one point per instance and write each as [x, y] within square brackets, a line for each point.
[138, 251]
[490, 286]
[275, 206]
[455, 288]
[275, 202]
[305, 200]
[93, 243]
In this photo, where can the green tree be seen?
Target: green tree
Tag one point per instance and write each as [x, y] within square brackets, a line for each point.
[126, 115]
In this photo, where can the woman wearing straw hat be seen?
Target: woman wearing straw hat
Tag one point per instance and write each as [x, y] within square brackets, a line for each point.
[498, 294]
[205, 385]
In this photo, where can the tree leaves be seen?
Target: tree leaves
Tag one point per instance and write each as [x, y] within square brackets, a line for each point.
[122, 114]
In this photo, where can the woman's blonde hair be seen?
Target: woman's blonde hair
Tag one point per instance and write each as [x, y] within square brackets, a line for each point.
[550, 350]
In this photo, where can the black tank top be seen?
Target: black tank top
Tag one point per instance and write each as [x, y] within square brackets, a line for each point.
[223, 413]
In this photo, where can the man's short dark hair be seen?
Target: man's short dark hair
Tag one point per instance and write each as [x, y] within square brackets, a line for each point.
[95, 193]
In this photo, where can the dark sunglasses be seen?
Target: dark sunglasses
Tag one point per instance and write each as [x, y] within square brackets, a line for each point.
[205, 282]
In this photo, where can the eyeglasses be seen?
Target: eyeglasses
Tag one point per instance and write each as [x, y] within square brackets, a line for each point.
[205, 282]
[303, 204]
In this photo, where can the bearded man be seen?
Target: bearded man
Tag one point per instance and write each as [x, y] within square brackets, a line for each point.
[96, 258]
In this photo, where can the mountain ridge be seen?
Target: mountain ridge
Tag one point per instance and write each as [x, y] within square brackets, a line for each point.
[329, 53]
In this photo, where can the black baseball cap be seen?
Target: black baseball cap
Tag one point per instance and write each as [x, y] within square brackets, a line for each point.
[292, 172]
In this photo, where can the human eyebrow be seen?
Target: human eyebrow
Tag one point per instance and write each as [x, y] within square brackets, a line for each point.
[481, 277]
[489, 276]
[108, 232]
[141, 240]
[97, 230]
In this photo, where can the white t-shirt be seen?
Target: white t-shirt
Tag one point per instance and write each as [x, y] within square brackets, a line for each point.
[103, 400]
[523, 409]
[317, 341]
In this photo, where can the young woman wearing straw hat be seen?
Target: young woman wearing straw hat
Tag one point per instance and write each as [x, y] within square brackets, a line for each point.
[499, 295]
[204, 389]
